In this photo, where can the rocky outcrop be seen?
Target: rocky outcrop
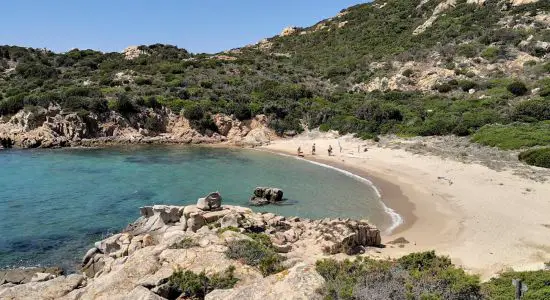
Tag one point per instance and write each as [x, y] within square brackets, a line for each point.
[288, 31]
[264, 196]
[133, 52]
[19, 276]
[299, 282]
[45, 128]
[137, 262]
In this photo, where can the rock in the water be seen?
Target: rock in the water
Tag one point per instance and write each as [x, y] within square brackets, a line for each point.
[263, 196]
[210, 202]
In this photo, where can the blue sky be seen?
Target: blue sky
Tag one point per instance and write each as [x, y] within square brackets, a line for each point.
[197, 25]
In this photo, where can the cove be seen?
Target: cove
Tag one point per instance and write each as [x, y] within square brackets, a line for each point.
[56, 203]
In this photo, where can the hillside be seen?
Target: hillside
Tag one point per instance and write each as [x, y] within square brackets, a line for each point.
[407, 67]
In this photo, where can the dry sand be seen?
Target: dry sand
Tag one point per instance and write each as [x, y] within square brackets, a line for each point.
[485, 220]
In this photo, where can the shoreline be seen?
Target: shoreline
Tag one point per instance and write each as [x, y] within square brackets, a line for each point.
[485, 220]
[397, 205]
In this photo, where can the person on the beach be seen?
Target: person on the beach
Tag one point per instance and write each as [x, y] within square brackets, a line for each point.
[313, 149]
[329, 150]
[300, 153]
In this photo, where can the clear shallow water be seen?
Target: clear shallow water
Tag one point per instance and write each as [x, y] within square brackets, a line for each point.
[55, 203]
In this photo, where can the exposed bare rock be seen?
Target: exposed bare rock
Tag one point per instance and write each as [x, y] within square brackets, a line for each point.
[53, 127]
[138, 262]
[133, 52]
[522, 2]
[288, 31]
[303, 280]
[18, 276]
[441, 7]
[46, 290]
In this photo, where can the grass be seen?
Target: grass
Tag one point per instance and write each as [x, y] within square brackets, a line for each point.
[514, 136]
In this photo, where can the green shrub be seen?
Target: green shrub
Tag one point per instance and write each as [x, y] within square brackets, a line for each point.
[408, 73]
[501, 288]
[517, 88]
[443, 87]
[467, 85]
[415, 276]
[532, 110]
[193, 113]
[185, 243]
[490, 53]
[256, 253]
[324, 127]
[514, 136]
[536, 157]
[196, 286]
[143, 81]
[467, 50]
[122, 104]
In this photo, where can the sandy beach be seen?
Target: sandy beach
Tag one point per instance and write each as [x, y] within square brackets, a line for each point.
[485, 220]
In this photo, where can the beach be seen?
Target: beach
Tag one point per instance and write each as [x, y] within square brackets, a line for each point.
[485, 220]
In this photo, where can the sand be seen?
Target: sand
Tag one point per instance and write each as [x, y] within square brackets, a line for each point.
[487, 221]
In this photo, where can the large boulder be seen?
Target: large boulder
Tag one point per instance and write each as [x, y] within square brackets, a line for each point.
[210, 202]
[265, 195]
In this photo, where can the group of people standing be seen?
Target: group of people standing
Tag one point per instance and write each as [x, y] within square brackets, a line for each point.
[313, 149]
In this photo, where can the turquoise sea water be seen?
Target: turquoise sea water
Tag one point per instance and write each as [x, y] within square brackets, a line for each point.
[55, 203]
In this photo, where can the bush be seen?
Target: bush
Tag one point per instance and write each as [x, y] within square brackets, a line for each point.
[143, 81]
[467, 50]
[195, 286]
[501, 288]
[122, 104]
[532, 110]
[154, 124]
[514, 136]
[193, 112]
[490, 53]
[258, 253]
[467, 85]
[443, 87]
[536, 157]
[517, 88]
[415, 276]
[408, 73]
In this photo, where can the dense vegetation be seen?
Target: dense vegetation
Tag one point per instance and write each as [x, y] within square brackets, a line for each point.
[312, 77]
[189, 285]
[421, 276]
[536, 157]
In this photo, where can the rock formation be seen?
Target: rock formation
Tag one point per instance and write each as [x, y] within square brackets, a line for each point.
[53, 127]
[288, 31]
[137, 262]
[211, 202]
[264, 196]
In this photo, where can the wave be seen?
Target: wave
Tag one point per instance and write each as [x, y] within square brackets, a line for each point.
[396, 218]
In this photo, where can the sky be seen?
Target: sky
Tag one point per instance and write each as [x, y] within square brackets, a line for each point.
[198, 25]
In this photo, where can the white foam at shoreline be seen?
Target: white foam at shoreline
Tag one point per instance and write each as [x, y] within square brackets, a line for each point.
[396, 218]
